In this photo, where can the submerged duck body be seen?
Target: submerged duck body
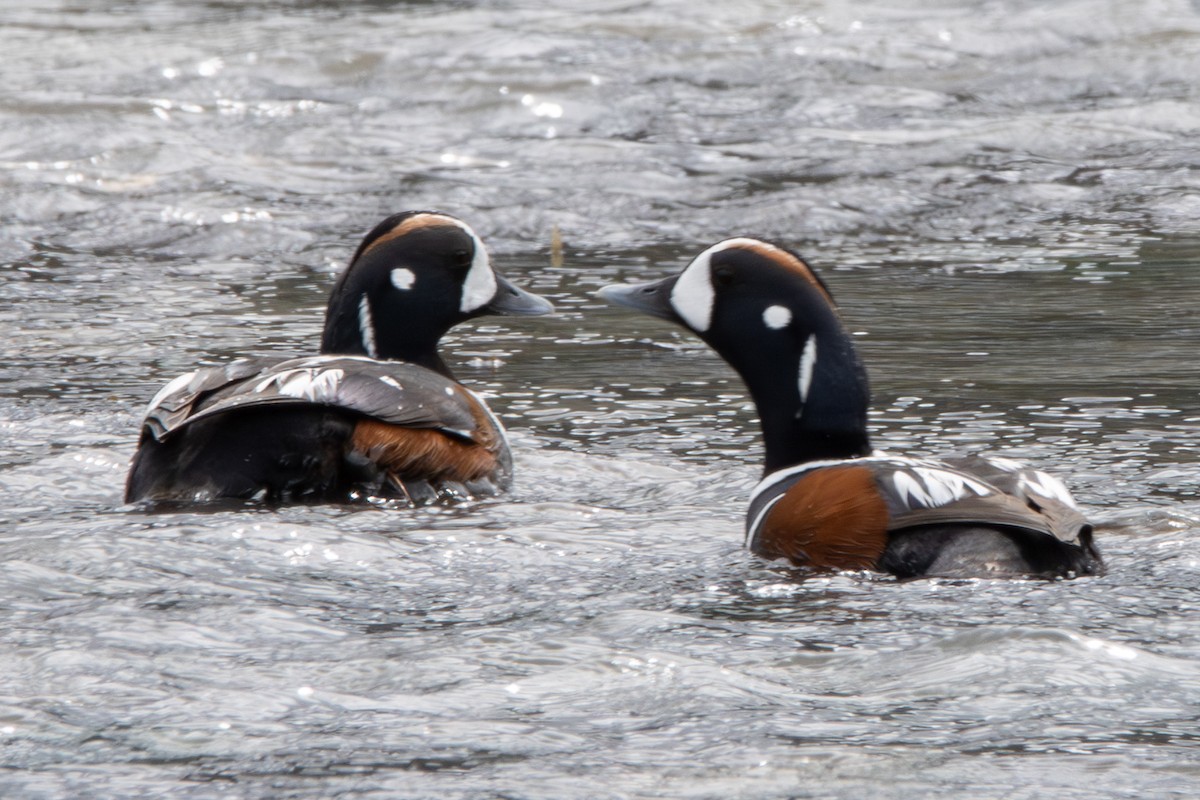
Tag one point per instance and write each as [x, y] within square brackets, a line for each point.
[827, 500]
[376, 413]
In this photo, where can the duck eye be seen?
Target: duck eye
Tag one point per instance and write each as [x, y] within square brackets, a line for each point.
[723, 276]
[461, 258]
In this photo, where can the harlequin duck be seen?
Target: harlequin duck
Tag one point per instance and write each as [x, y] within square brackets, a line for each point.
[377, 413]
[827, 501]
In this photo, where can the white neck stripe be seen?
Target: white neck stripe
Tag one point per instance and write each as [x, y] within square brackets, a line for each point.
[808, 360]
[366, 326]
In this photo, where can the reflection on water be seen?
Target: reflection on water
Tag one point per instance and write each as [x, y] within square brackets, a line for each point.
[1006, 221]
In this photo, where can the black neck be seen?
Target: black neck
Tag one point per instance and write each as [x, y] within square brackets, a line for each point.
[789, 441]
[830, 423]
[342, 336]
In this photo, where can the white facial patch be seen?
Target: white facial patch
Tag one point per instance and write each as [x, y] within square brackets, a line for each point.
[480, 286]
[808, 360]
[692, 295]
[366, 327]
[777, 317]
[403, 278]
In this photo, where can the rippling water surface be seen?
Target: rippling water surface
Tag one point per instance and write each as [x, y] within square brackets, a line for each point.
[1002, 195]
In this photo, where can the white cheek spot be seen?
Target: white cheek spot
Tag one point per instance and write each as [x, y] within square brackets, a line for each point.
[403, 278]
[366, 327]
[692, 296]
[777, 317]
[449, 391]
[808, 360]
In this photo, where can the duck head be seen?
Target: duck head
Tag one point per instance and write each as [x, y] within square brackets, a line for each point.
[414, 276]
[766, 312]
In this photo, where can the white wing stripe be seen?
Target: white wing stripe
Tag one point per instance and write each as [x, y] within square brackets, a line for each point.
[1047, 486]
[175, 385]
[927, 487]
[911, 491]
[303, 384]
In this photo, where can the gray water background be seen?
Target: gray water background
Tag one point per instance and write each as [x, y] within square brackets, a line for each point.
[1002, 195]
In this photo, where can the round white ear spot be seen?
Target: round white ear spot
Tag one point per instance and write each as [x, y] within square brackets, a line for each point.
[403, 278]
[777, 317]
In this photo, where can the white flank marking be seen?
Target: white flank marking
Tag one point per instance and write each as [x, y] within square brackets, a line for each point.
[783, 474]
[808, 360]
[752, 530]
[480, 286]
[366, 326]
[403, 278]
[777, 317]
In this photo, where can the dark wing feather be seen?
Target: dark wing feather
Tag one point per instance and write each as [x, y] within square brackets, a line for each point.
[981, 491]
[177, 400]
[393, 392]
[967, 491]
